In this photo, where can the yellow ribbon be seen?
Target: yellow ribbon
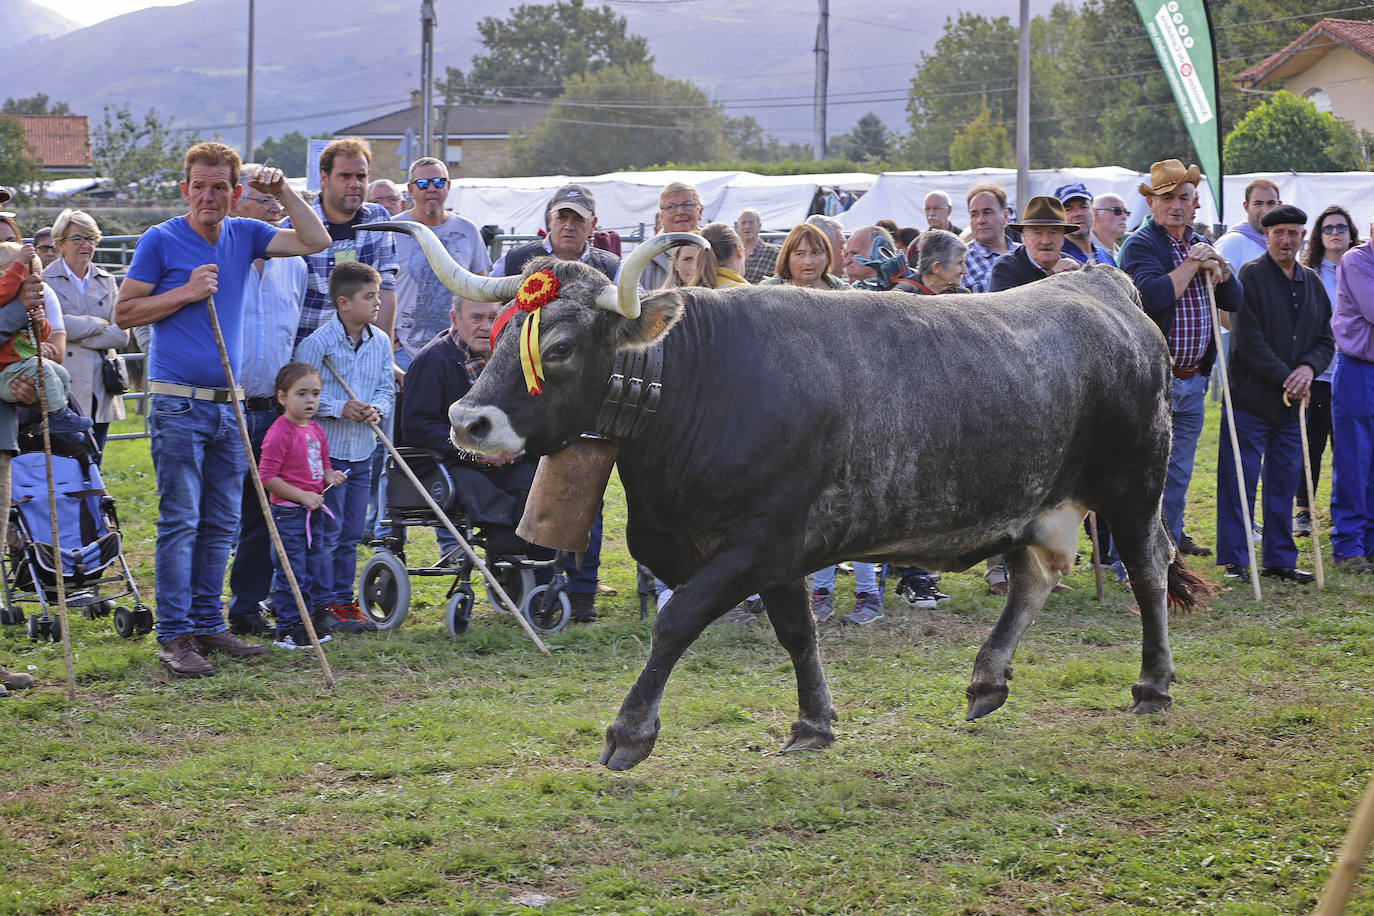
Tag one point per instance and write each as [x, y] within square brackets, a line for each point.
[530, 364]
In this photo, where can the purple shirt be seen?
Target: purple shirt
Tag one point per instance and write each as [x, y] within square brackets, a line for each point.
[1352, 318]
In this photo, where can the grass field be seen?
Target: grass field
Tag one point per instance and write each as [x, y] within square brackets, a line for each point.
[458, 776]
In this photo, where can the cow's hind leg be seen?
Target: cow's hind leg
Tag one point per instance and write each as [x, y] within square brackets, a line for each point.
[1146, 549]
[789, 611]
[1030, 578]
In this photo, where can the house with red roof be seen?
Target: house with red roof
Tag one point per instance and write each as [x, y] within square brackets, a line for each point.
[61, 142]
[1331, 64]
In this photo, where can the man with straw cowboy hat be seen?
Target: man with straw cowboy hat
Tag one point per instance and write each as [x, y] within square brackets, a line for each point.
[1170, 266]
[177, 266]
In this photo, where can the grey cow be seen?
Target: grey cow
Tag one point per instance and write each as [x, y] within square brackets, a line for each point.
[799, 428]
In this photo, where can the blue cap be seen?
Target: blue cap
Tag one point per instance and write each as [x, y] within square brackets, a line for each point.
[1068, 192]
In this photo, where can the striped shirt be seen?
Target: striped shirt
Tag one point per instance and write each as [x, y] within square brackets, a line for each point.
[366, 368]
[978, 265]
[271, 314]
[1192, 330]
[346, 243]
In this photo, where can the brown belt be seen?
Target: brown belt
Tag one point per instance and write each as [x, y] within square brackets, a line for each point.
[1184, 373]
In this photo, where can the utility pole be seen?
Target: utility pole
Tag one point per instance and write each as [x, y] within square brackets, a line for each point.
[1023, 113]
[427, 73]
[248, 141]
[822, 76]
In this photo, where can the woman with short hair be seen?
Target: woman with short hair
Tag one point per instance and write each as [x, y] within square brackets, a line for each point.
[87, 296]
[806, 259]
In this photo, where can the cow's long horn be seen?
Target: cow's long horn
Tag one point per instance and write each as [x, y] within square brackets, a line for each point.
[624, 296]
[455, 276]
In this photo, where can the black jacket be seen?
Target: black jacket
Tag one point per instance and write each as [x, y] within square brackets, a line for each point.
[424, 409]
[1267, 343]
[1015, 268]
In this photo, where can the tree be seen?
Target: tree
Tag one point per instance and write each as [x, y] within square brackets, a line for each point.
[981, 145]
[869, 141]
[34, 105]
[18, 163]
[534, 52]
[289, 154]
[745, 137]
[621, 118]
[1288, 134]
[137, 155]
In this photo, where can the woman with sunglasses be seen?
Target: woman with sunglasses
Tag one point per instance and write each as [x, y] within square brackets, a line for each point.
[86, 292]
[1333, 234]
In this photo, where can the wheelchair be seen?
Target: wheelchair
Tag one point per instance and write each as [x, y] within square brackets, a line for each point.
[538, 587]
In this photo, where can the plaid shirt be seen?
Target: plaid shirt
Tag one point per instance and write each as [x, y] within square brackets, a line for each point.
[978, 265]
[346, 244]
[472, 363]
[761, 261]
[1192, 330]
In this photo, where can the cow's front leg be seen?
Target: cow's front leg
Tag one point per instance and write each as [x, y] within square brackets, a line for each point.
[1029, 581]
[706, 596]
[789, 610]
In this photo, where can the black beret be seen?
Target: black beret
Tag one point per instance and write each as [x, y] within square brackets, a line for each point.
[1283, 215]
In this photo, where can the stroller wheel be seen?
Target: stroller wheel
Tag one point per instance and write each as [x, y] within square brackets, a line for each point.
[34, 627]
[143, 620]
[546, 621]
[458, 612]
[11, 616]
[45, 628]
[104, 608]
[384, 590]
[124, 624]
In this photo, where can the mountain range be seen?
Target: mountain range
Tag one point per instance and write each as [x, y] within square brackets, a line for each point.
[321, 65]
[26, 22]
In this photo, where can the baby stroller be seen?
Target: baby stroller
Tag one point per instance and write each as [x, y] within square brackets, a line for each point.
[88, 528]
[536, 586]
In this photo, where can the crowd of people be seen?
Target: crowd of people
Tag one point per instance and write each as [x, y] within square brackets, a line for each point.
[334, 332]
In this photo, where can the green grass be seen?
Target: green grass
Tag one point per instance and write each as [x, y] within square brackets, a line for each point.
[455, 776]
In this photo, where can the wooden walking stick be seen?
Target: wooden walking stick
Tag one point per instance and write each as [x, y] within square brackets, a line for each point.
[1097, 553]
[58, 577]
[420, 488]
[1311, 490]
[282, 556]
[1336, 894]
[1235, 440]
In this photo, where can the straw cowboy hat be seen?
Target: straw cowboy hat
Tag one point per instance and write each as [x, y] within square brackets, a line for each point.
[1044, 211]
[1169, 174]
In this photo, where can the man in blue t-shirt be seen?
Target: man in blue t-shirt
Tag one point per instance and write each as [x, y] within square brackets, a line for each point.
[194, 437]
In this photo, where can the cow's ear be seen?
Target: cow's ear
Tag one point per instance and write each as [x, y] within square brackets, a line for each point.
[657, 315]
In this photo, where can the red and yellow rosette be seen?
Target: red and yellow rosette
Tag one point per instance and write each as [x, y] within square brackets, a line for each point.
[539, 289]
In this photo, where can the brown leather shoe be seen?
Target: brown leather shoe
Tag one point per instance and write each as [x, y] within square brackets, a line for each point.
[14, 680]
[182, 657]
[229, 644]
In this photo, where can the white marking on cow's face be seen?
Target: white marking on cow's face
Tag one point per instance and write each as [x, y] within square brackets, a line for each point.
[484, 429]
[1054, 535]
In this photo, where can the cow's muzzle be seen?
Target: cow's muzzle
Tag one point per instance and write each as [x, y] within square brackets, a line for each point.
[484, 429]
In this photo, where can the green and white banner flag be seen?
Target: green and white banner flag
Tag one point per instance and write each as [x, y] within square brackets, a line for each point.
[1182, 35]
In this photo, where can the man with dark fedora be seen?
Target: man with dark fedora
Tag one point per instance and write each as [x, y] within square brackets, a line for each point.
[1280, 340]
[1170, 266]
[1042, 242]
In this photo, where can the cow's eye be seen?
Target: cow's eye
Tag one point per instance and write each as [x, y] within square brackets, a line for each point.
[560, 350]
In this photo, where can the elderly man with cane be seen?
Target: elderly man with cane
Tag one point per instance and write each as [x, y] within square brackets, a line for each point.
[177, 267]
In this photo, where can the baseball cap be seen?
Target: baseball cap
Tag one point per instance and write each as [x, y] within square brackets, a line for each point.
[1068, 192]
[576, 198]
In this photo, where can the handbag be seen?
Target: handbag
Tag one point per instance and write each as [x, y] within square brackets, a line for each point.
[114, 372]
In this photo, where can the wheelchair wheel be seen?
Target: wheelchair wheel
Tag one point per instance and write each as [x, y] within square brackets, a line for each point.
[517, 584]
[458, 612]
[551, 621]
[124, 624]
[384, 588]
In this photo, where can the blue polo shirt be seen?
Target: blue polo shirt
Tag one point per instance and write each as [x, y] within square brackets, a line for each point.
[182, 345]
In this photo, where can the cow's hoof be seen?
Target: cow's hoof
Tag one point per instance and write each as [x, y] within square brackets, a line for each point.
[623, 751]
[1147, 699]
[807, 736]
[983, 699]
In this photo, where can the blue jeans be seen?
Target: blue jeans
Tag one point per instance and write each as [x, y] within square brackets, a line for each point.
[865, 579]
[197, 455]
[1189, 410]
[1352, 458]
[344, 531]
[582, 579]
[1277, 448]
[250, 576]
[309, 562]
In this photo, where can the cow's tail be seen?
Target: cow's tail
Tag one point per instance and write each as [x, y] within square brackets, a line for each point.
[1187, 590]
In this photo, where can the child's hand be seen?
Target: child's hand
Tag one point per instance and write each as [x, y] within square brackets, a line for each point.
[312, 500]
[335, 478]
[26, 254]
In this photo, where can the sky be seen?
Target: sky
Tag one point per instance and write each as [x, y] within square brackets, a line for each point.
[89, 12]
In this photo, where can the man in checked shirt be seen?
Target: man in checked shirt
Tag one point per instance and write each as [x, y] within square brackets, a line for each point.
[1170, 266]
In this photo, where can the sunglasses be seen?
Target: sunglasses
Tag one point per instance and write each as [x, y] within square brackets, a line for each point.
[423, 183]
[1114, 211]
[1333, 228]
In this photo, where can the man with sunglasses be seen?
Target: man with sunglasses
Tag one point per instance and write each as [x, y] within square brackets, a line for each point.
[422, 300]
[1109, 221]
